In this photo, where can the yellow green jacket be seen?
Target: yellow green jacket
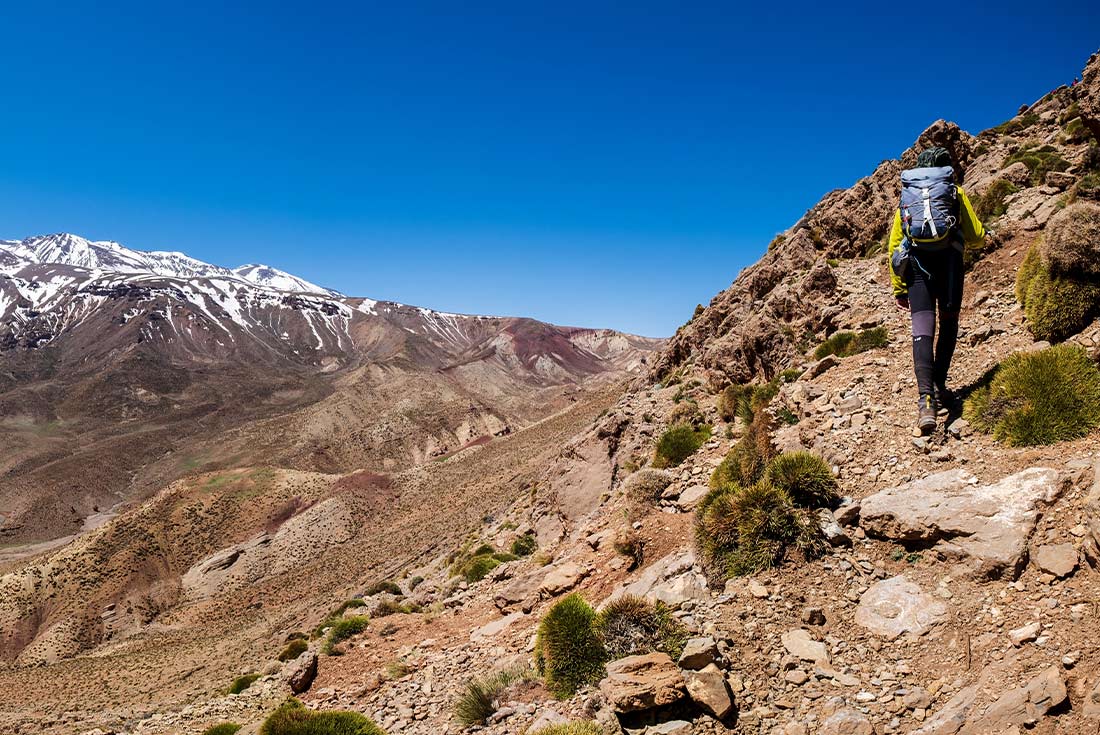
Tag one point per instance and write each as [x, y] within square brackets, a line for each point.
[972, 231]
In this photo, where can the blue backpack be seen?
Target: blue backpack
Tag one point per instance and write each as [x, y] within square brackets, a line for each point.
[929, 206]
[929, 210]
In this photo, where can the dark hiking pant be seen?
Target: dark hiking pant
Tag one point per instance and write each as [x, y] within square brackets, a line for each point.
[937, 284]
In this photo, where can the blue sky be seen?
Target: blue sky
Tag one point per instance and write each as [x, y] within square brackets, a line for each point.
[597, 164]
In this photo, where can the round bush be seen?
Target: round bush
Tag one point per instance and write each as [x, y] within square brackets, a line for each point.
[293, 650]
[741, 531]
[1027, 272]
[678, 443]
[568, 651]
[646, 485]
[225, 728]
[525, 545]
[805, 478]
[631, 625]
[292, 718]
[242, 682]
[475, 569]
[1039, 398]
[571, 728]
[1071, 242]
[1058, 307]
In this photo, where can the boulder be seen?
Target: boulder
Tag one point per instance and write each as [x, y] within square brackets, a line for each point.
[847, 722]
[562, 578]
[690, 498]
[1018, 173]
[1057, 559]
[698, 653]
[708, 688]
[670, 580]
[638, 683]
[1060, 180]
[495, 628]
[987, 526]
[896, 606]
[672, 727]
[301, 672]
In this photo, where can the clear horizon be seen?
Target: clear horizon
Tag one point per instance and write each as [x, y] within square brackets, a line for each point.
[579, 164]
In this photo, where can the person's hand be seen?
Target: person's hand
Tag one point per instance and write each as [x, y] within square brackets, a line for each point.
[901, 303]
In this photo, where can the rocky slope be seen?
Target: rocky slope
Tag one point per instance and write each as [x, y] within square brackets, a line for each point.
[957, 594]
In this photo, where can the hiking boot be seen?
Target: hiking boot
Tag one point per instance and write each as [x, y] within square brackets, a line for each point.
[944, 397]
[926, 416]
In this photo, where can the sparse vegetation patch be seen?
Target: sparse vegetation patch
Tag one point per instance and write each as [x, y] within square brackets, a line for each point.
[678, 443]
[631, 625]
[846, 344]
[1039, 398]
[293, 718]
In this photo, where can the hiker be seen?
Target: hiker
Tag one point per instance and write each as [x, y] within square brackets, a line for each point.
[933, 224]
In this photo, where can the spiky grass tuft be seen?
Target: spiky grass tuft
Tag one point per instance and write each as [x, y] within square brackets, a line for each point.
[631, 625]
[1039, 398]
[293, 650]
[224, 728]
[805, 477]
[572, 728]
[846, 344]
[741, 531]
[745, 462]
[478, 699]
[1058, 307]
[568, 652]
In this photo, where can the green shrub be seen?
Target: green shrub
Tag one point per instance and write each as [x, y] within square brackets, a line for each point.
[845, 344]
[745, 462]
[336, 614]
[292, 718]
[525, 545]
[1077, 131]
[805, 477]
[678, 443]
[578, 727]
[415, 582]
[1088, 186]
[241, 683]
[1039, 398]
[790, 375]
[386, 586]
[293, 650]
[1058, 307]
[741, 531]
[991, 203]
[483, 550]
[567, 650]
[345, 628]
[225, 728]
[476, 569]
[1039, 161]
[478, 699]
[390, 607]
[631, 625]
[1016, 124]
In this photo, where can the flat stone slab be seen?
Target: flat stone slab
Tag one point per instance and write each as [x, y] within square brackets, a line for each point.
[1057, 559]
[896, 606]
[638, 683]
[800, 643]
[985, 525]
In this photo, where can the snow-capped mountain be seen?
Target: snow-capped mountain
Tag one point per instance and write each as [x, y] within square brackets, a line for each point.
[106, 297]
[111, 257]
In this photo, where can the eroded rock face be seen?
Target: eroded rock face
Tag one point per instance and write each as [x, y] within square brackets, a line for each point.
[1088, 95]
[896, 606]
[987, 526]
[1024, 705]
[301, 672]
[638, 683]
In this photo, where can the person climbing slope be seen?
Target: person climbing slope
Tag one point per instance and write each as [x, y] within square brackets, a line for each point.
[933, 224]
